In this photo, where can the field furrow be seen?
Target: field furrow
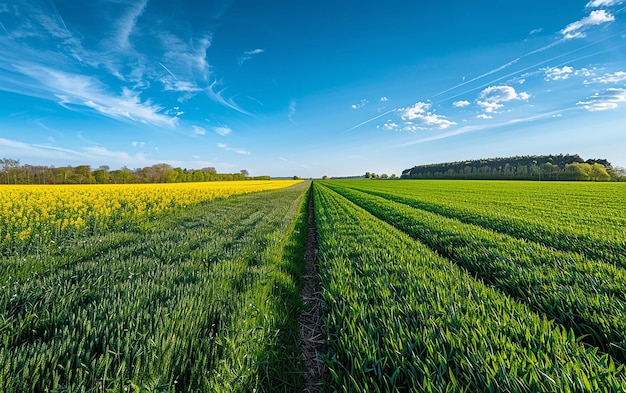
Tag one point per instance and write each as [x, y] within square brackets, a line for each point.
[592, 225]
[402, 318]
[584, 295]
[207, 299]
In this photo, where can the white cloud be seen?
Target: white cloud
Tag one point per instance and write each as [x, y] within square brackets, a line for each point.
[78, 156]
[461, 103]
[233, 149]
[292, 111]
[484, 116]
[254, 52]
[492, 97]
[137, 144]
[418, 117]
[223, 131]
[556, 73]
[597, 17]
[185, 65]
[498, 94]
[197, 130]
[218, 96]
[608, 99]
[602, 3]
[615, 77]
[126, 24]
[384, 99]
[74, 90]
[390, 126]
[249, 54]
[361, 104]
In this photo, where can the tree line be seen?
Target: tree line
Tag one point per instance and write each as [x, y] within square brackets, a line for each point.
[11, 172]
[545, 167]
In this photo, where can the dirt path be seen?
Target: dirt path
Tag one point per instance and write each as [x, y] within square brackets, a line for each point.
[313, 340]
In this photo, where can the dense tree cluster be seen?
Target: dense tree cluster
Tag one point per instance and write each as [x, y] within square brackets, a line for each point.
[551, 167]
[11, 172]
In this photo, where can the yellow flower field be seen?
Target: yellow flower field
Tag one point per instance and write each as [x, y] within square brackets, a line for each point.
[43, 213]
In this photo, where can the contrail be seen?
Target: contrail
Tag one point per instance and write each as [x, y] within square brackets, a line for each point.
[510, 63]
[538, 64]
[228, 103]
[502, 67]
[367, 121]
[467, 129]
[169, 72]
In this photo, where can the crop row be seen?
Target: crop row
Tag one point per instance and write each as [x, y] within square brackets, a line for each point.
[587, 296]
[37, 215]
[589, 219]
[402, 318]
[205, 302]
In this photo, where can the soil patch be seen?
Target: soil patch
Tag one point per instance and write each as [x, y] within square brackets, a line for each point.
[313, 339]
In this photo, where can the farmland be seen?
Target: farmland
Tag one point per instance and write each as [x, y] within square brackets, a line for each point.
[425, 286]
[422, 297]
[201, 298]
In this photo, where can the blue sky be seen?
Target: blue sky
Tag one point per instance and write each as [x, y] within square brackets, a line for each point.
[310, 88]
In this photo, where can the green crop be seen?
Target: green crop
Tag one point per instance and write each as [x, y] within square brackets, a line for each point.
[585, 295]
[204, 300]
[402, 318]
[586, 218]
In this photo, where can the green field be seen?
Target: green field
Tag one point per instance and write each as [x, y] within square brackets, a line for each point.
[436, 286]
[202, 300]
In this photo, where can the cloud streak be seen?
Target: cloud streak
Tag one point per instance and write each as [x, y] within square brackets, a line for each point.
[576, 29]
[126, 24]
[605, 100]
[78, 91]
[249, 55]
[487, 126]
[233, 149]
[223, 131]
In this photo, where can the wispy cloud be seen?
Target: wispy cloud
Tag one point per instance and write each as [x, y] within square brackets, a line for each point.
[487, 126]
[576, 29]
[187, 69]
[126, 24]
[293, 162]
[565, 72]
[233, 149]
[218, 96]
[360, 104]
[77, 155]
[223, 131]
[384, 99]
[461, 104]
[292, 111]
[79, 91]
[556, 73]
[602, 101]
[248, 55]
[197, 130]
[602, 3]
[614, 77]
